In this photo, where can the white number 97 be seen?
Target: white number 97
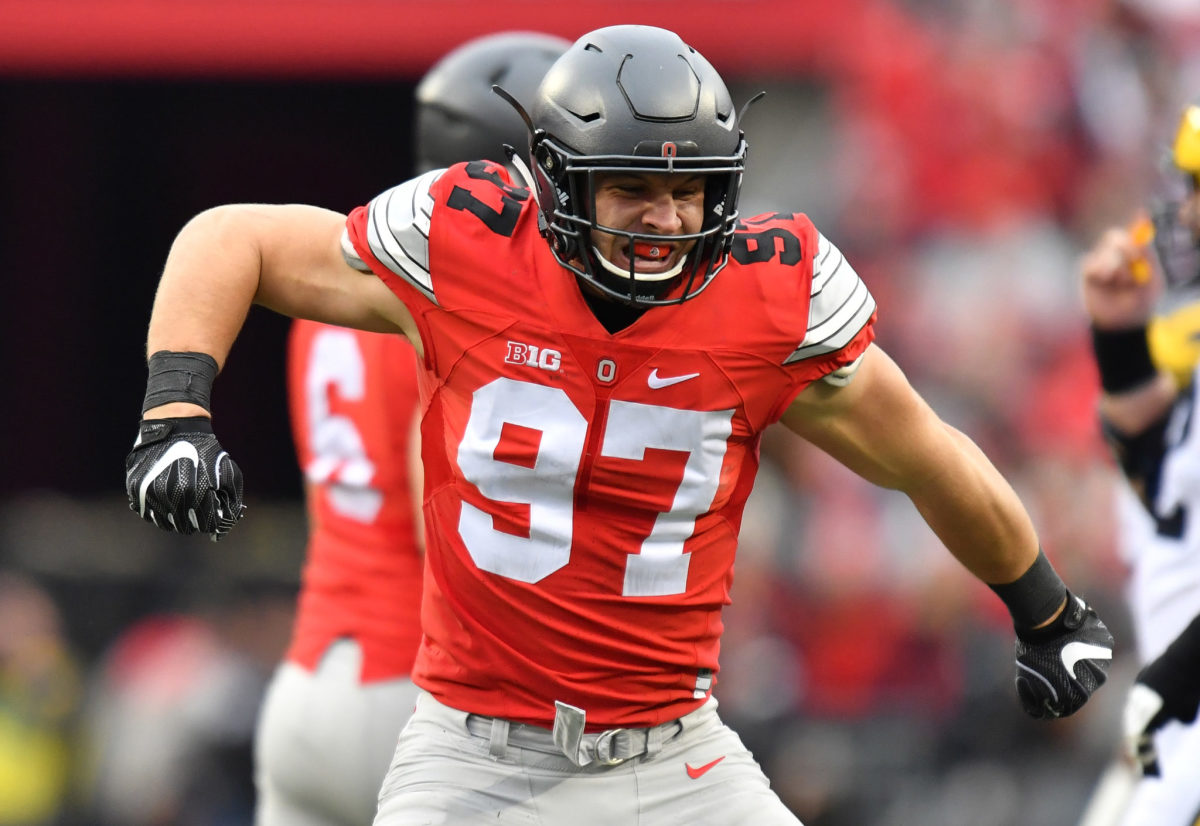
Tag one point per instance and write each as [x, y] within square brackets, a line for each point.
[548, 486]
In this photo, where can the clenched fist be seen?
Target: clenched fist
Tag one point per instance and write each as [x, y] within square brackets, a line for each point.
[1061, 665]
[178, 477]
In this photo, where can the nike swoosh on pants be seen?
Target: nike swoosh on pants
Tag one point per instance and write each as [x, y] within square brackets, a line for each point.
[697, 771]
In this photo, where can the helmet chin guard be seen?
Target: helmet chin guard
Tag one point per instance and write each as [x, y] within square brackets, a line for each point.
[630, 99]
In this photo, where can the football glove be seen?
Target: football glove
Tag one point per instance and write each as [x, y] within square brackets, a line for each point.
[178, 477]
[1059, 666]
[1168, 688]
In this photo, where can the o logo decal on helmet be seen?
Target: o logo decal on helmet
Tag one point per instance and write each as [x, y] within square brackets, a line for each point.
[669, 150]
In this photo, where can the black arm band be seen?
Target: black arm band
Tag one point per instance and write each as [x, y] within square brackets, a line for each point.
[1033, 596]
[1123, 358]
[180, 377]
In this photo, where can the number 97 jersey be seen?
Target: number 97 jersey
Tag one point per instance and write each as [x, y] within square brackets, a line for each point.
[584, 490]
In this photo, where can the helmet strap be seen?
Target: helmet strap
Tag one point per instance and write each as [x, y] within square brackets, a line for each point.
[523, 171]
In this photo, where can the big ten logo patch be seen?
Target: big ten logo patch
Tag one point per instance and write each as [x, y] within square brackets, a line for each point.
[531, 355]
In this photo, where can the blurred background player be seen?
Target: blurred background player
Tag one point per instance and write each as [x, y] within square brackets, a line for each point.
[1141, 291]
[1166, 689]
[336, 705]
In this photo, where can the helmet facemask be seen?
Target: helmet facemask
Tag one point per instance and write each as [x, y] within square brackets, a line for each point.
[566, 185]
[627, 100]
[1177, 242]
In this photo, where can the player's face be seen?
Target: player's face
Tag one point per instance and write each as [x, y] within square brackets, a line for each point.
[1189, 209]
[648, 203]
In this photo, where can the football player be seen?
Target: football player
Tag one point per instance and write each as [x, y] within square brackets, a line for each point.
[603, 342]
[1140, 291]
[335, 706]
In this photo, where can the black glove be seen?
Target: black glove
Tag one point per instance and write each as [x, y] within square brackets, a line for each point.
[1059, 666]
[1168, 688]
[180, 478]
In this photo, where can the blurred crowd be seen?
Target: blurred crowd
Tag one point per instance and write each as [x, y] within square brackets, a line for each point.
[961, 154]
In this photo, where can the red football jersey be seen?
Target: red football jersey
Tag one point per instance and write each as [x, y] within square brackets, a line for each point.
[353, 398]
[585, 489]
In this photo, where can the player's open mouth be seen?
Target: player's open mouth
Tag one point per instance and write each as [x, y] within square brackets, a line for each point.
[652, 260]
[652, 257]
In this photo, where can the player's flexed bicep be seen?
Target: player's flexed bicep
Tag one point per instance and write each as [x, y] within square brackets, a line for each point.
[286, 257]
[875, 424]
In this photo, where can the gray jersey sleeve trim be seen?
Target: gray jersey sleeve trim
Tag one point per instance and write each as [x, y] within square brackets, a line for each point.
[351, 255]
[840, 307]
[398, 230]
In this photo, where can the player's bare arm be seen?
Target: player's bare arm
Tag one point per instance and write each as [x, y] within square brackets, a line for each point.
[879, 427]
[1119, 290]
[287, 258]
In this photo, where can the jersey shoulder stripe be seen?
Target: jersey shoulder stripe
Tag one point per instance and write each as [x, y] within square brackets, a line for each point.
[840, 304]
[398, 231]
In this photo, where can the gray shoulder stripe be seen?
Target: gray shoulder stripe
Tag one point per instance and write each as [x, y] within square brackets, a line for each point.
[824, 247]
[398, 230]
[826, 277]
[396, 257]
[829, 262]
[837, 332]
[854, 298]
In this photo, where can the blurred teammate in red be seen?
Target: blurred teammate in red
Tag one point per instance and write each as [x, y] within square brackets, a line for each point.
[603, 341]
[333, 710]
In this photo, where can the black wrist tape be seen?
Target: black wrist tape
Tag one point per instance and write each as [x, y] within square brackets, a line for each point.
[180, 377]
[1123, 358]
[1033, 596]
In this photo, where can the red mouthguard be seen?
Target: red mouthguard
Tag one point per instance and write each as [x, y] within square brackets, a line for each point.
[645, 250]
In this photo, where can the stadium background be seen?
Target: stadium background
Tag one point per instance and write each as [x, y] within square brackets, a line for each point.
[962, 154]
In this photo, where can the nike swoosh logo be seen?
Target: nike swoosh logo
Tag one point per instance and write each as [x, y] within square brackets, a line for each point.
[657, 383]
[179, 450]
[697, 772]
[1073, 652]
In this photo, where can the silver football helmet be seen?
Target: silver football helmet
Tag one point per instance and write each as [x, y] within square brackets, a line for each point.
[630, 99]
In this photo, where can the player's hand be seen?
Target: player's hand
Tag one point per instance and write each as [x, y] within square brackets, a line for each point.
[178, 477]
[1143, 715]
[1119, 287]
[1165, 689]
[1059, 666]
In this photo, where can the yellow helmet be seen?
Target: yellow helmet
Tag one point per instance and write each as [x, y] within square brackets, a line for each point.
[1174, 339]
[1185, 151]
